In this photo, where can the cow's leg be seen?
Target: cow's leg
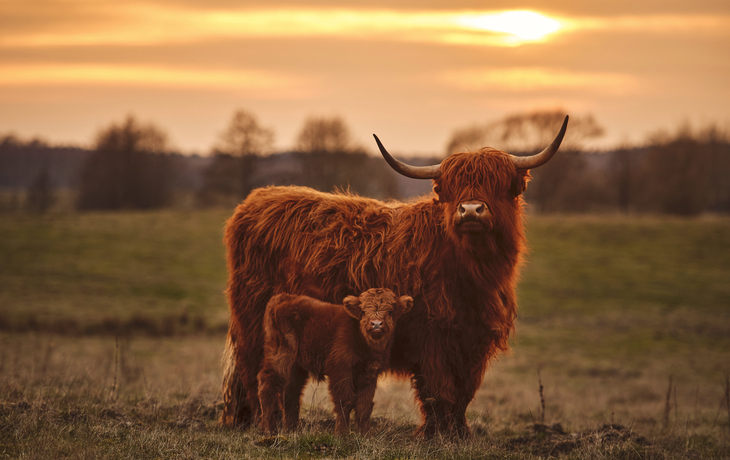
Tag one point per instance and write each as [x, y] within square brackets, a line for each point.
[242, 357]
[249, 378]
[240, 407]
[236, 410]
[436, 381]
[465, 394]
[293, 397]
[469, 378]
[436, 410]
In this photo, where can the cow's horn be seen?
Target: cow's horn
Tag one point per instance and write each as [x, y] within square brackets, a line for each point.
[539, 159]
[414, 172]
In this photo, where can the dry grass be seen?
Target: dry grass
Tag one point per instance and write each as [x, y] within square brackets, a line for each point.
[98, 397]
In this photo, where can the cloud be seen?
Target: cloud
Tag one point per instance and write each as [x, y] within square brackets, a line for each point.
[539, 78]
[656, 23]
[150, 76]
[80, 23]
[148, 23]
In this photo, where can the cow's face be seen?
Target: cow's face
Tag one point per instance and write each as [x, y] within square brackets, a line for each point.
[480, 192]
[377, 310]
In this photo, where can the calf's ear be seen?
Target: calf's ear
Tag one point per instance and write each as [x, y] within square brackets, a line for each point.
[352, 306]
[406, 302]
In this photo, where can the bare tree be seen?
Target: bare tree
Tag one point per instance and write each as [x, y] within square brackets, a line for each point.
[561, 184]
[40, 193]
[223, 180]
[467, 139]
[327, 153]
[686, 172]
[621, 174]
[245, 136]
[324, 135]
[246, 139]
[128, 169]
[232, 171]
[526, 132]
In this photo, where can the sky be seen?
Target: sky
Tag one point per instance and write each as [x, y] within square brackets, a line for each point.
[410, 71]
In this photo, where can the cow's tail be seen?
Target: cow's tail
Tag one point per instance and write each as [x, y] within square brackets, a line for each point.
[235, 406]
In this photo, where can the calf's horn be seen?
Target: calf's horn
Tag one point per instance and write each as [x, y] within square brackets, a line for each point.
[539, 159]
[414, 172]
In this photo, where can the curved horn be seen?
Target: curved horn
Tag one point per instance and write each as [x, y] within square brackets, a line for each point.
[414, 172]
[539, 159]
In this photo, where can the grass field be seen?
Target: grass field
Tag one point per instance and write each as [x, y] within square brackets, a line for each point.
[112, 326]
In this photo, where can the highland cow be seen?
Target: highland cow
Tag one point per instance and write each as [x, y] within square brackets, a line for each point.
[457, 252]
[348, 343]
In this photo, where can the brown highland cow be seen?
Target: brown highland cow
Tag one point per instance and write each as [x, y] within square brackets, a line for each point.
[457, 252]
[348, 343]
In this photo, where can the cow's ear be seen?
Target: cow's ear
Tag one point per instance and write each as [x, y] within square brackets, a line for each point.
[437, 190]
[352, 306]
[519, 182]
[406, 302]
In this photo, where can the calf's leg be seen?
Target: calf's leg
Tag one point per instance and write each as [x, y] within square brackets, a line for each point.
[293, 397]
[364, 408]
[271, 383]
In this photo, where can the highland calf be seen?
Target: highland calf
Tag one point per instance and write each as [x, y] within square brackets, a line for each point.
[348, 343]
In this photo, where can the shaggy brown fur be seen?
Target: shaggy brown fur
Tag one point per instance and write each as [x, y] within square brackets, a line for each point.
[461, 273]
[348, 343]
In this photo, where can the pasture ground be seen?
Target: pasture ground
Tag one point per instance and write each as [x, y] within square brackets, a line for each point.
[112, 326]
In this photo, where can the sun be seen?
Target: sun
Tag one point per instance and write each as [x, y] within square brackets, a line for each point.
[522, 24]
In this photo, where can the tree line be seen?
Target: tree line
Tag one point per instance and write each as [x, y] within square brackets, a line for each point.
[129, 168]
[684, 172]
[324, 158]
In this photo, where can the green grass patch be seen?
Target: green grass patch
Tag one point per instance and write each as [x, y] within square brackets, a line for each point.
[591, 264]
[156, 264]
[89, 267]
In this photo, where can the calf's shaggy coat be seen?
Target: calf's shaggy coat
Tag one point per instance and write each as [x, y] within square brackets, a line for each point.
[349, 343]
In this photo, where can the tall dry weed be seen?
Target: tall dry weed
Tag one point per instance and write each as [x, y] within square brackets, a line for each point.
[667, 405]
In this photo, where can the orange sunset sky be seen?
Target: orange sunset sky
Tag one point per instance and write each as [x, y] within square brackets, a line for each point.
[410, 71]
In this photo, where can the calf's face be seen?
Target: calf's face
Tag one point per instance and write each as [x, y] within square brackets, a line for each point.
[377, 310]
